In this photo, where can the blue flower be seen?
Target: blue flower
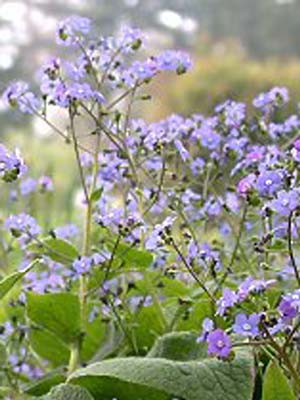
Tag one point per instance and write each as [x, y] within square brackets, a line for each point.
[219, 343]
[269, 182]
[246, 325]
[286, 202]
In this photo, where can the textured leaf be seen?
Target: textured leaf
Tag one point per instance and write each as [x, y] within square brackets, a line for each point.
[58, 313]
[9, 282]
[68, 392]
[178, 346]
[152, 378]
[43, 385]
[275, 385]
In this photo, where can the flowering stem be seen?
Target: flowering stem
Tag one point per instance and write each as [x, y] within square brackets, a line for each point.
[191, 271]
[283, 357]
[83, 281]
[290, 248]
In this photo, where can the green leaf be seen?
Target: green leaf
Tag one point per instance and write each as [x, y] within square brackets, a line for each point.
[150, 378]
[9, 282]
[132, 258]
[275, 385]
[68, 392]
[3, 353]
[96, 195]
[58, 250]
[43, 385]
[58, 313]
[178, 346]
[49, 347]
[94, 337]
[191, 318]
[148, 327]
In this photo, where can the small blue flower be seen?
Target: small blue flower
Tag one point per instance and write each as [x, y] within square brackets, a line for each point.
[246, 325]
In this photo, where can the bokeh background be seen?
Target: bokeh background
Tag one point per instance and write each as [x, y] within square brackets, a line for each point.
[240, 47]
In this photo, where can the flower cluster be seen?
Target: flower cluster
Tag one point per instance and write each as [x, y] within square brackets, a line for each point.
[179, 214]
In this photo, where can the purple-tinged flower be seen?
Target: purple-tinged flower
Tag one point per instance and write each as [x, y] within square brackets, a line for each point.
[286, 202]
[66, 231]
[197, 166]
[86, 160]
[184, 154]
[71, 29]
[289, 303]
[209, 138]
[287, 310]
[251, 285]
[11, 165]
[28, 186]
[18, 95]
[154, 238]
[82, 265]
[45, 183]
[269, 182]
[174, 60]
[22, 225]
[234, 113]
[129, 39]
[207, 327]
[246, 184]
[228, 300]
[219, 343]
[295, 151]
[246, 325]
[276, 97]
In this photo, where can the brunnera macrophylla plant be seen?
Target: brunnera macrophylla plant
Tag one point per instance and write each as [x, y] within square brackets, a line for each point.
[181, 279]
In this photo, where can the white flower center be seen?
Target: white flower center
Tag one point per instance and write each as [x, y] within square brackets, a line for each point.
[285, 202]
[220, 344]
[246, 327]
[269, 182]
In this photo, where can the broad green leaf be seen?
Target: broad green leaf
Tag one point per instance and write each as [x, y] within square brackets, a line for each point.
[132, 258]
[136, 378]
[148, 327]
[49, 346]
[174, 288]
[178, 346]
[191, 317]
[58, 250]
[9, 282]
[68, 392]
[275, 385]
[94, 337]
[58, 313]
[43, 385]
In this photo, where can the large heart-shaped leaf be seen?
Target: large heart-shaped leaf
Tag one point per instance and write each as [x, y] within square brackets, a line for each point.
[153, 378]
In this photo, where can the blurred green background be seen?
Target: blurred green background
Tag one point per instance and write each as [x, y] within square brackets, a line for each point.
[240, 48]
